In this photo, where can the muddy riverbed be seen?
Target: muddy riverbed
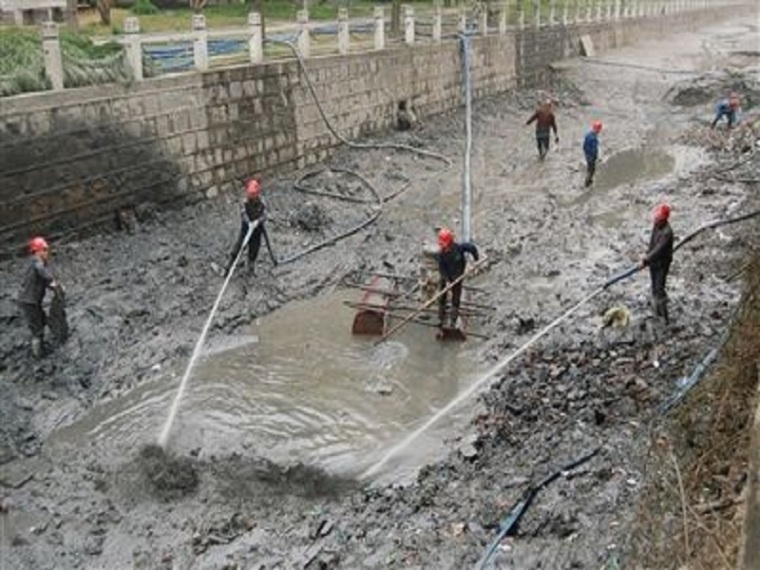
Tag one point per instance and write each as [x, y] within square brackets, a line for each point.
[286, 410]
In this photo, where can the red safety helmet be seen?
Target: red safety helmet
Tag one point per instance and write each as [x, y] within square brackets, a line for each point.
[445, 238]
[37, 244]
[661, 213]
[596, 126]
[253, 188]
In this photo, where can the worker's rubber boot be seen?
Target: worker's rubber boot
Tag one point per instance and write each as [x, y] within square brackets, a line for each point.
[37, 349]
[453, 317]
[441, 317]
[661, 309]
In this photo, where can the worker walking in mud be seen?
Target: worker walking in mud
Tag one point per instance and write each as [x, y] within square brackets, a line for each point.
[658, 259]
[591, 151]
[254, 211]
[545, 123]
[451, 265]
[37, 280]
[728, 108]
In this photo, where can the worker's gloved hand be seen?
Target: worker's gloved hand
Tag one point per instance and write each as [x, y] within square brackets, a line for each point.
[556, 140]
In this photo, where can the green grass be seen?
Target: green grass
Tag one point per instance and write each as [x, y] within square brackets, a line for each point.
[229, 16]
[22, 67]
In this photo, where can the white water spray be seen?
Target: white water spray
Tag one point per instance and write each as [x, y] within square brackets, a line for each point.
[164, 437]
[487, 377]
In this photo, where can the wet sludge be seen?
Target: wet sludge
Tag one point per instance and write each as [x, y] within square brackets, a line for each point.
[170, 477]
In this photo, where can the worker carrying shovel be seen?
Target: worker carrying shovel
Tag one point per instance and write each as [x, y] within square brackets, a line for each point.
[37, 280]
[452, 264]
[254, 211]
[658, 259]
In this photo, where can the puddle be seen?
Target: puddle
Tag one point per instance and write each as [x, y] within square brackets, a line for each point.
[635, 165]
[297, 387]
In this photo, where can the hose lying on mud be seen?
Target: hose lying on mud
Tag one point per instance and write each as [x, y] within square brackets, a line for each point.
[352, 230]
[503, 363]
[690, 381]
[350, 144]
[514, 516]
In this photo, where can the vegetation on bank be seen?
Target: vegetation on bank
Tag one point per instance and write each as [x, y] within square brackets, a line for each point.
[22, 67]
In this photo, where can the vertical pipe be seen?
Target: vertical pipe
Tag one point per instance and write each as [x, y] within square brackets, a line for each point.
[466, 186]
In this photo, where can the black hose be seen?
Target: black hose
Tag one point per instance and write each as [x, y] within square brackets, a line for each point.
[379, 200]
[516, 513]
[352, 230]
[714, 224]
[340, 137]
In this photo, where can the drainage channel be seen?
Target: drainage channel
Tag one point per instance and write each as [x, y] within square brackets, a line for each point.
[295, 387]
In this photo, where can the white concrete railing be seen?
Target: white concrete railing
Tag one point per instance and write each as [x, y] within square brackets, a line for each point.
[510, 14]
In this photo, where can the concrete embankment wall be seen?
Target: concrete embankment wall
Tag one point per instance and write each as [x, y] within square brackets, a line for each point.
[70, 160]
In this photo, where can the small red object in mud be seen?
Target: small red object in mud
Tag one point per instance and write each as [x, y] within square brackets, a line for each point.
[370, 319]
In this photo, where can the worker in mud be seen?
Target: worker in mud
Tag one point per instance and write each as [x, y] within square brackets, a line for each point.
[727, 108]
[545, 123]
[37, 280]
[658, 259]
[451, 265]
[591, 151]
[254, 212]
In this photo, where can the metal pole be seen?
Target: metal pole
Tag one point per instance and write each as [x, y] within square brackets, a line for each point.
[466, 187]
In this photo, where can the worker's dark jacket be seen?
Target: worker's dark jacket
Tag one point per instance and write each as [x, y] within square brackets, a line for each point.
[660, 252]
[544, 121]
[452, 262]
[36, 280]
[254, 210]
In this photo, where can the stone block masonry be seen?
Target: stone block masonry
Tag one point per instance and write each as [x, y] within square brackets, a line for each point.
[70, 160]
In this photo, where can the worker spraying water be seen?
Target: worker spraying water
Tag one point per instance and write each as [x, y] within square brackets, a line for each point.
[252, 219]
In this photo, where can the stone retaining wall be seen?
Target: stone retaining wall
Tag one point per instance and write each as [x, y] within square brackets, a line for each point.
[70, 160]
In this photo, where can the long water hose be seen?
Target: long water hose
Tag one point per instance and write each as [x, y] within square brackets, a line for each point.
[514, 515]
[163, 438]
[351, 144]
[676, 398]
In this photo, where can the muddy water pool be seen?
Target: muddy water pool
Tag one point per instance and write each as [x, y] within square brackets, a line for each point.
[296, 387]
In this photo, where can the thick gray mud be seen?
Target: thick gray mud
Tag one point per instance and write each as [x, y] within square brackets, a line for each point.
[138, 299]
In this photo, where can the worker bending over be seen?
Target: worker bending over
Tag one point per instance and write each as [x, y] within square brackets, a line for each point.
[37, 280]
[452, 264]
